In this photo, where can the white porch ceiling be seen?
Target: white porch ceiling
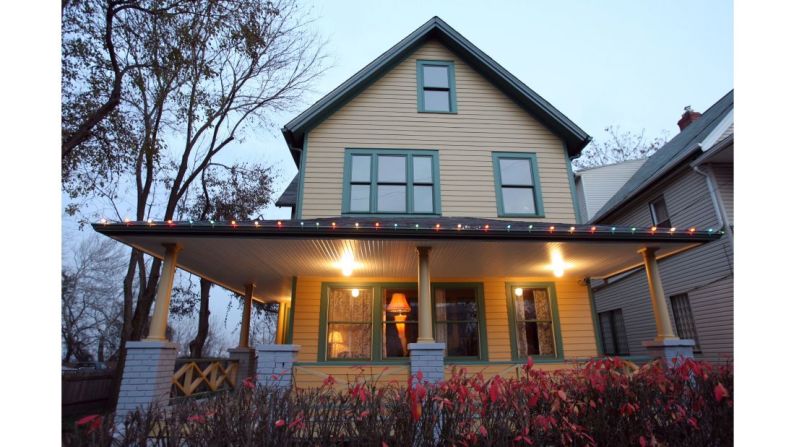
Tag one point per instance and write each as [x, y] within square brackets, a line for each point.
[270, 263]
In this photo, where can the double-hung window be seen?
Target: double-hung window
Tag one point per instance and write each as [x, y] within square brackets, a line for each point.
[391, 181]
[684, 320]
[613, 332]
[349, 324]
[534, 321]
[517, 185]
[435, 82]
[458, 319]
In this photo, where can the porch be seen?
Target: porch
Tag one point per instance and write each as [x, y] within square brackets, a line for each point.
[300, 263]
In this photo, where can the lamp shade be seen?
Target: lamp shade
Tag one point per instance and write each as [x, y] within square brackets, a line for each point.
[398, 304]
[336, 337]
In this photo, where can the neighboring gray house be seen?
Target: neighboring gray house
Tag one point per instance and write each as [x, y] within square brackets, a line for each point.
[594, 186]
[688, 183]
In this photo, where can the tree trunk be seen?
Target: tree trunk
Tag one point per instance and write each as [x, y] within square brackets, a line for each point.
[197, 345]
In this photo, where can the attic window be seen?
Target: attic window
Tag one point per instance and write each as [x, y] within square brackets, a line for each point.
[659, 214]
[435, 82]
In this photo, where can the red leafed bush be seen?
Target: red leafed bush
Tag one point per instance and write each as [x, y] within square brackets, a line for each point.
[600, 403]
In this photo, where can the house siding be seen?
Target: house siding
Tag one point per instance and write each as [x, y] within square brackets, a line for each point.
[385, 116]
[723, 172]
[573, 303]
[597, 185]
[704, 273]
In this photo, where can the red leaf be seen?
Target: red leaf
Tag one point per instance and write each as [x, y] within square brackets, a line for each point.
[720, 392]
[280, 423]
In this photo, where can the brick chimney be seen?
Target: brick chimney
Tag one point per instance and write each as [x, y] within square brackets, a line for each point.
[688, 117]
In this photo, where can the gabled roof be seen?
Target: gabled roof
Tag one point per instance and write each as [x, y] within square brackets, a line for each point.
[669, 156]
[290, 195]
[574, 137]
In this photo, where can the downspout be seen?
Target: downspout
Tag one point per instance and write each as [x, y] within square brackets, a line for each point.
[722, 216]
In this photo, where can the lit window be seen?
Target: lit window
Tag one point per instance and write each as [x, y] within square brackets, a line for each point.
[436, 86]
[399, 316]
[533, 321]
[517, 186]
[659, 214]
[349, 329]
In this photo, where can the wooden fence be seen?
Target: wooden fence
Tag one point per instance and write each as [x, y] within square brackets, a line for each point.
[86, 392]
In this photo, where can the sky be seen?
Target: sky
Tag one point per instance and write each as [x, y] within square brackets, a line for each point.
[633, 64]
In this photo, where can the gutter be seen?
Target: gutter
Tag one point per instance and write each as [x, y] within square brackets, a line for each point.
[716, 200]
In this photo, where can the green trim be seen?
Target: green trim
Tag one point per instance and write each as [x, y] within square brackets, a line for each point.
[530, 101]
[596, 324]
[293, 297]
[495, 157]
[420, 85]
[555, 316]
[572, 184]
[302, 173]
[376, 355]
[373, 182]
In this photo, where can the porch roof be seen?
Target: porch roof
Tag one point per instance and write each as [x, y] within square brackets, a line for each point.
[269, 253]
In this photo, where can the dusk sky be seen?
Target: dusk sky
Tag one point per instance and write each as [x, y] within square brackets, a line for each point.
[626, 63]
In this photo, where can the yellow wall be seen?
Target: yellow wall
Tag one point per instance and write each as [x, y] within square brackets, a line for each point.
[576, 326]
[385, 116]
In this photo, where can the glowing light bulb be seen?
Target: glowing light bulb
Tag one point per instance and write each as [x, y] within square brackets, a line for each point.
[519, 291]
[558, 265]
[347, 263]
[355, 293]
[572, 229]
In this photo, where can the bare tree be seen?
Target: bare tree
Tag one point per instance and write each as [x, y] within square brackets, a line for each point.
[203, 77]
[92, 96]
[91, 300]
[618, 147]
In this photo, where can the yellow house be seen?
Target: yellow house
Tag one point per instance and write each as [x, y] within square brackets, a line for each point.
[434, 225]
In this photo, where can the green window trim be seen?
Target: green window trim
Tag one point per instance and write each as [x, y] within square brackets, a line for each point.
[376, 356]
[555, 318]
[481, 332]
[420, 85]
[409, 155]
[536, 189]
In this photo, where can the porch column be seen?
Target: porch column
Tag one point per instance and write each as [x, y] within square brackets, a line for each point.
[425, 305]
[245, 325]
[243, 353]
[427, 356]
[163, 298]
[664, 328]
[149, 364]
[666, 345]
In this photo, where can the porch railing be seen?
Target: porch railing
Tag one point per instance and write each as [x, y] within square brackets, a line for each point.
[194, 377]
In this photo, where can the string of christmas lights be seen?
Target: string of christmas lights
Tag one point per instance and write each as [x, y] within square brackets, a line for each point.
[508, 227]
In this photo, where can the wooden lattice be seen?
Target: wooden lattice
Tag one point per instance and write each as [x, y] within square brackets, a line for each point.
[192, 379]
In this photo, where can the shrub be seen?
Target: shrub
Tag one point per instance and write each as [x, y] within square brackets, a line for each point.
[597, 404]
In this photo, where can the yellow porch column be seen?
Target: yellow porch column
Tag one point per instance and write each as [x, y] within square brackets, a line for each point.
[245, 324]
[664, 328]
[163, 298]
[282, 320]
[425, 306]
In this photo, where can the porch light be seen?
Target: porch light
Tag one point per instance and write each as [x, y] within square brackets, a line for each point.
[558, 265]
[355, 293]
[519, 291]
[347, 263]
